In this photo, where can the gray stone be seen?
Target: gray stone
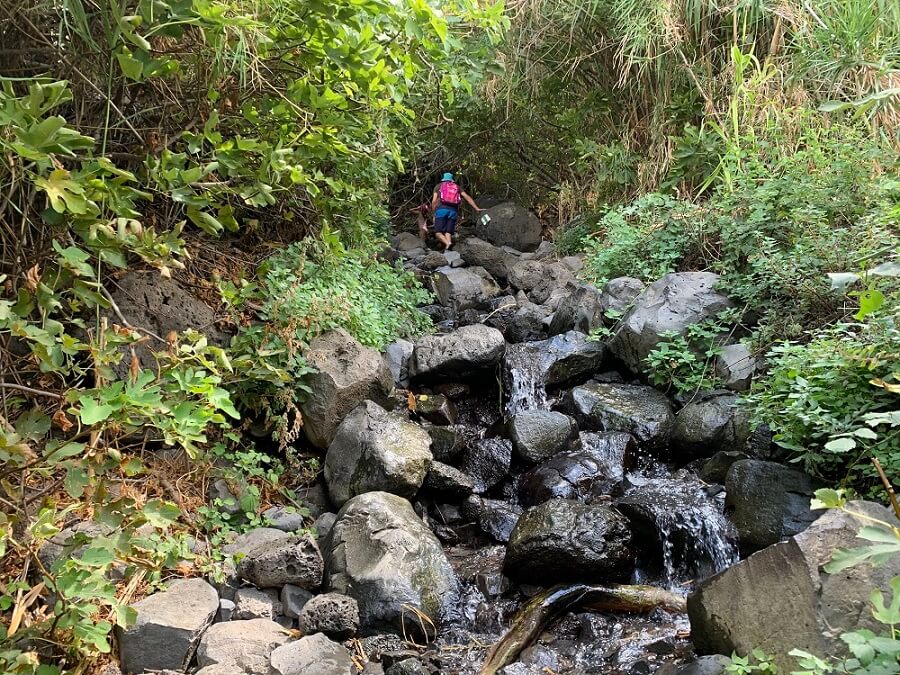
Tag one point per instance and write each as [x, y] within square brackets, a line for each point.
[226, 609]
[494, 517]
[580, 309]
[70, 542]
[447, 443]
[768, 502]
[525, 275]
[714, 664]
[406, 241]
[221, 669]
[454, 259]
[479, 253]
[781, 598]
[346, 374]
[376, 450]
[292, 560]
[537, 435]
[433, 260]
[619, 294]
[487, 462]
[565, 540]
[716, 468]
[246, 542]
[314, 498]
[673, 303]
[333, 614]
[410, 666]
[446, 481]
[415, 254]
[242, 644]
[527, 324]
[225, 496]
[382, 554]
[464, 287]
[323, 524]
[436, 408]
[312, 655]
[641, 411]
[555, 281]
[284, 518]
[252, 603]
[594, 469]
[511, 225]
[397, 355]
[293, 598]
[168, 626]
[736, 365]
[457, 354]
[705, 426]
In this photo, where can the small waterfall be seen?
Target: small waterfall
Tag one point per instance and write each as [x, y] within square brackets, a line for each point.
[524, 380]
[697, 540]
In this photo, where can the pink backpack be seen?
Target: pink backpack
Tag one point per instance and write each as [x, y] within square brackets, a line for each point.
[449, 193]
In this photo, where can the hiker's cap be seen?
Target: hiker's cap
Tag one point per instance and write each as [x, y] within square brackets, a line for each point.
[447, 176]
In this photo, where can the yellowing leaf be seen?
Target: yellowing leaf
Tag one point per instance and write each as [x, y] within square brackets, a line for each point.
[64, 193]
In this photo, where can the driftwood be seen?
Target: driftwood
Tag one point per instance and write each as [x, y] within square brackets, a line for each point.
[534, 615]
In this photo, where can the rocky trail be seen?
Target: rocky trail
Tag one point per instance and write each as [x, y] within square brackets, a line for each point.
[504, 455]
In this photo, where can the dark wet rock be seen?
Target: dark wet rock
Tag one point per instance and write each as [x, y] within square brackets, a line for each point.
[714, 664]
[511, 225]
[406, 241]
[447, 481]
[590, 471]
[768, 502]
[169, 624]
[312, 655]
[494, 517]
[555, 283]
[673, 303]
[284, 518]
[716, 467]
[579, 310]
[292, 560]
[252, 603]
[468, 317]
[433, 260]
[802, 606]
[333, 614]
[705, 426]
[479, 253]
[487, 462]
[491, 584]
[376, 645]
[243, 644]
[410, 666]
[736, 365]
[447, 443]
[314, 498]
[438, 313]
[464, 287]
[293, 598]
[453, 390]
[527, 324]
[539, 434]
[526, 274]
[541, 657]
[376, 450]
[457, 354]
[436, 408]
[640, 411]
[323, 524]
[382, 554]
[619, 294]
[397, 355]
[564, 540]
[346, 374]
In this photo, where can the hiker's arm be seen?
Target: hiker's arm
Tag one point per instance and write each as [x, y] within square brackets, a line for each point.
[415, 210]
[435, 201]
[471, 201]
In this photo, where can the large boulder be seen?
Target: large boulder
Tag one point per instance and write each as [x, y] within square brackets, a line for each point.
[381, 553]
[494, 517]
[735, 366]
[376, 450]
[464, 287]
[705, 426]
[525, 275]
[641, 411]
[539, 434]
[334, 614]
[346, 374]
[396, 356]
[293, 560]
[168, 626]
[479, 253]
[462, 352]
[487, 462]
[767, 502]
[312, 655]
[619, 294]
[781, 598]
[594, 469]
[242, 644]
[565, 540]
[671, 304]
[579, 310]
[511, 225]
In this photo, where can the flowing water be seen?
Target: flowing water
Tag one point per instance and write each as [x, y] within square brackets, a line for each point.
[525, 372]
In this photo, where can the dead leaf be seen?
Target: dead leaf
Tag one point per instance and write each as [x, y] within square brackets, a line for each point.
[134, 368]
[32, 278]
[410, 401]
[62, 421]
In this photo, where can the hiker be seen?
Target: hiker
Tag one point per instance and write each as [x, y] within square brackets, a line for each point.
[445, 205]
[422, 211]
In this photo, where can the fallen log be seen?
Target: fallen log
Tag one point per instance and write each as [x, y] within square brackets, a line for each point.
[535, 614]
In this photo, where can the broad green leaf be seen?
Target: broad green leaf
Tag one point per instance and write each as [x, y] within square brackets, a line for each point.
[92, 411]
[64, 193]
[887, 614]
[131, 67]
[32, 424]
[826, 498]
[97, 557]
[160, 514]
[870, 301]
[840, 445]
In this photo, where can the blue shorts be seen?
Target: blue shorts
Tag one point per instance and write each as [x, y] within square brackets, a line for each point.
[445, 220]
